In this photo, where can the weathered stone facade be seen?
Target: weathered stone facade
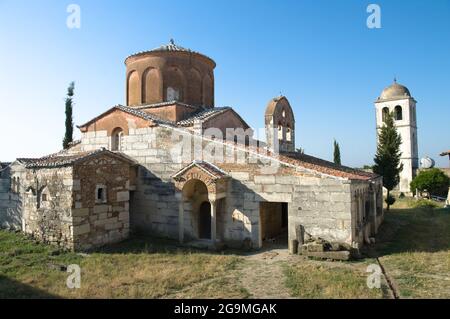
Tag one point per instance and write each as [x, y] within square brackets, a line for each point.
[194, 181]
[10, 201]
[59, 204]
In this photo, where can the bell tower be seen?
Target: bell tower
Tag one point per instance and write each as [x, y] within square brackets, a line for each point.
[398, 100]
[280, 126]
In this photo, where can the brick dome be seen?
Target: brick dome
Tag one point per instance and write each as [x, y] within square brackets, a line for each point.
[169, 73]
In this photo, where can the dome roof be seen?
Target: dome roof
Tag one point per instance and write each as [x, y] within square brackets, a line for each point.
[170, 47]
[395, 91]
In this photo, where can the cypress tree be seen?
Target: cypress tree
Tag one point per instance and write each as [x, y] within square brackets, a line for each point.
[68, 136]
[387, 158]
[337, 153]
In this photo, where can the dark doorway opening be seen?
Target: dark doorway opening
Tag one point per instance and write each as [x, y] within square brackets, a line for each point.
[204, 221]
[274, 224]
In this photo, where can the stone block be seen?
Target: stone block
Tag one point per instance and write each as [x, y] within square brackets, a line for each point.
[265, 179]
[340, 197]
[242, 176]
[80, 212]
[98, 209]
[123, 196]
[112, 226]
[289, 180]
[81, 229]
[125, 216]
[334, 255]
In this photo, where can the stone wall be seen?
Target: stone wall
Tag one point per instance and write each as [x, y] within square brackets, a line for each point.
[10, 204]
[47, 203]
[321, 204]
[100, 222]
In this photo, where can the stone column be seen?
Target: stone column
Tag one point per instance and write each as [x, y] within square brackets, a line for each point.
[213, 220]
[180, 198]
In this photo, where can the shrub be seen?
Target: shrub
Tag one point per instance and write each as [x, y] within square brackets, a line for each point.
[433, 180]
[424, 203]
[390, 200]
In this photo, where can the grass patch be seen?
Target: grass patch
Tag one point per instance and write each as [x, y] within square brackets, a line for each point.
[415, 249]
[317, 280]
[31, 270]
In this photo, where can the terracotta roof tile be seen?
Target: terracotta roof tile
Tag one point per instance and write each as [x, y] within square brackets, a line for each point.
[61, 160]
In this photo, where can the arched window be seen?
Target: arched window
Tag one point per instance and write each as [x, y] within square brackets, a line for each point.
[44, 198]
[116, 139]
[280, 132]
[288, 134]
[133, 97]
[398, 113]
[100, 194]
[173, 94]
[385, 114]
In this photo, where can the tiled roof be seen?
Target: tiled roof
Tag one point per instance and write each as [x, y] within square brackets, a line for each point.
[160, 104]
[132, 111]
[203, 115]
[326, 167]
[4, 165]
[315, 164]
[170, 47]
[58, 160]
[207, 167]
[142, 114]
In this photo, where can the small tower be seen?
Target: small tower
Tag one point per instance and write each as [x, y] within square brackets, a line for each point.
[397, 99]
[280, 125]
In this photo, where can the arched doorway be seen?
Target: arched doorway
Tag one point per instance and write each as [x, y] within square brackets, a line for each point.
[204, 221]
[201, 187]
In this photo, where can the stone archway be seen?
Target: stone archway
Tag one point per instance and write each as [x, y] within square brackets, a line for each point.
[199, 183]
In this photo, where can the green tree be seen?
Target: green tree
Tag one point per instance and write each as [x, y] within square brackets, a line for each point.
[387, 158]
[68, 136]
[337, 153]
[433, 180]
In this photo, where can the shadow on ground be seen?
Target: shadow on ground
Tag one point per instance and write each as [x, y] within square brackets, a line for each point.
[11, 289]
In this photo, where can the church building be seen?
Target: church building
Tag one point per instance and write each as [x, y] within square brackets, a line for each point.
[170, 163]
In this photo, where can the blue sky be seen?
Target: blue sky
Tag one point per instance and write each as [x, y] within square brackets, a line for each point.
[320, 54]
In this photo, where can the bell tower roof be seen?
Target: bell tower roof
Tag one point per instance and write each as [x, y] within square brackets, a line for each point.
[395, 91]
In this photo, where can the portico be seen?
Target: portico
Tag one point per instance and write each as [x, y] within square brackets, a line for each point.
[200, 186]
